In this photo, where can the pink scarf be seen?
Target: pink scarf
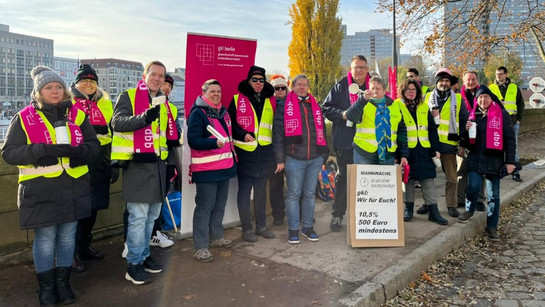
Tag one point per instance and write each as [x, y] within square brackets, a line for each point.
[494, 129]
[292, 118]
[90, 108]
[470, 108]
[245, 114]
[354, 97]
[143, 138]
[38, 132]
[172, 132]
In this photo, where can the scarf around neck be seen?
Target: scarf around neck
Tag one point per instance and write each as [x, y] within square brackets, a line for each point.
[293, 121]
[143, 140]
[434, 102]
[494, 127]
[383, 129]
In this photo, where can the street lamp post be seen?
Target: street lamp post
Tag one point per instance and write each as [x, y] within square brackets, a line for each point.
[394, 54]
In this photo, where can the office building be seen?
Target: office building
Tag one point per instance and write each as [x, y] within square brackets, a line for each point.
[375, 44]
[66, 68]
[116, 76]
[515, 11]
[19, 53]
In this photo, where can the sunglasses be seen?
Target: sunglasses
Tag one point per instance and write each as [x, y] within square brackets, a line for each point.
[280, 88]
[262, 80]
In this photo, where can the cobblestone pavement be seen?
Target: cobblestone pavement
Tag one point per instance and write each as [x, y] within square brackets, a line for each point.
[483, 273]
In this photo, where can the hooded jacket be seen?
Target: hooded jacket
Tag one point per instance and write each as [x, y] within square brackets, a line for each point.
[259, 162]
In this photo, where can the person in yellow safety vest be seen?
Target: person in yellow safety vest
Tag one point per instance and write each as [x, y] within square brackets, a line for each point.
[412, 73]
[51, 142]
[140, 146]
[96, 103]
[450, 115]
[252, 112]
[381, 132]
[423, 146]
[512, 99]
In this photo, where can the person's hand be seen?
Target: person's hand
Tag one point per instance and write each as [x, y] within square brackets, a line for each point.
[344, 115]
[366, 94]
[220, 143]
[461, 152]
[152, 114]
[115, 175]
[248, 138]
[469, 124]
[438, 155]
[510, 168]
[279, 168]
[404, 161]
[435, 113]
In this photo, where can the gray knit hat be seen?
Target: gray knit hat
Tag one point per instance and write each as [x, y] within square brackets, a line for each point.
[43, 75]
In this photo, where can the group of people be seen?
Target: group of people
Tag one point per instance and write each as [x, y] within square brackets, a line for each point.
[70, 143]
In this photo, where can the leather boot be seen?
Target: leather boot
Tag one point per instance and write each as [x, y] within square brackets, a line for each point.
[423, 210]
[435, 216]
[46, 281]
[62, 284]
[408, 214]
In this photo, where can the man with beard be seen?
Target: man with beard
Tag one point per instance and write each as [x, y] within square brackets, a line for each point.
[450, 116]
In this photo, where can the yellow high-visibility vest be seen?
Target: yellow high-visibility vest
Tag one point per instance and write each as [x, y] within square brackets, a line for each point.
[263, 132]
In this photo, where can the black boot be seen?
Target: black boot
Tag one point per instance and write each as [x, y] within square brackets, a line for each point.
[408, 214]
[423, 210]
[435, 216]
[46, 281]
[62, 283]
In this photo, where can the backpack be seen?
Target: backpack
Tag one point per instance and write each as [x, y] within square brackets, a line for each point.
[325, 189]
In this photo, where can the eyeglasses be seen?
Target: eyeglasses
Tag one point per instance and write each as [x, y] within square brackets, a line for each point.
[87, 81]
[262, 80]
[359, 67]
[280, 88]
[411, 90]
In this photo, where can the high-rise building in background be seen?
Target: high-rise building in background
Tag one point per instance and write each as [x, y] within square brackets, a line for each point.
[375, 44]
[516, 11]
[66, 68]
[19, 53]
[116, 76]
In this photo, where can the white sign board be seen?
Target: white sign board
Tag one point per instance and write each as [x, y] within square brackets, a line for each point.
[375, 206]
[537, 100]
[537, 84]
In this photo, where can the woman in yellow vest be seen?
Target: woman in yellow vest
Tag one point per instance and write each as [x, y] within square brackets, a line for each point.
[51, 142]
[380, 130]
[423, 146]
[96, 103]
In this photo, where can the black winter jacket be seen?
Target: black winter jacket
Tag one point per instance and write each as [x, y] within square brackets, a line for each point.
[304, 148]
[50, 201]
[259, 162]
[488, 161]
[336, 102]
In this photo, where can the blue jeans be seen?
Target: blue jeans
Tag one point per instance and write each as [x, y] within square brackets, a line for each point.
[493, 191]
[516, 128]
[372, 158]
[210, 202]
[141, 219]
[57, 241]
[301, 176]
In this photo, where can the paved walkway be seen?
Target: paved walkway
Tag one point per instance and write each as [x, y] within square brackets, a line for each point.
[273, 272]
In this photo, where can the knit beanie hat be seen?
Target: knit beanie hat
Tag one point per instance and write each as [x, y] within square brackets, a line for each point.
[85, 71]
[278, 80]
[445, 73]
[43, 75]
[168, 78]
[485, 90]
[256, 70]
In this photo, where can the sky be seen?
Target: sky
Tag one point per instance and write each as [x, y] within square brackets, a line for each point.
[142, 31]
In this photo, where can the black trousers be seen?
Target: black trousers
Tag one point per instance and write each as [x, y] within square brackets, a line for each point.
[344, 158]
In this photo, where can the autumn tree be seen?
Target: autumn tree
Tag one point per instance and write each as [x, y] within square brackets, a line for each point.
[470, 31]
[511, 61]
[315, 47]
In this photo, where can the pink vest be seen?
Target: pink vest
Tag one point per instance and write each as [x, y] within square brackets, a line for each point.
[218, 158]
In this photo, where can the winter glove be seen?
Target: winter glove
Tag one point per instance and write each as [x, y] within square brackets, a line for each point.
[115, 175]
[75, 162]
[64, 150]
[152, 114]
[47, 161]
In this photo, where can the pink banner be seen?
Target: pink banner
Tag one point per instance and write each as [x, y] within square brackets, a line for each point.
[226, 59]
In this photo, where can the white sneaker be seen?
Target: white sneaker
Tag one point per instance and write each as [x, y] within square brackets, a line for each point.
[160, 240]
[125, 250]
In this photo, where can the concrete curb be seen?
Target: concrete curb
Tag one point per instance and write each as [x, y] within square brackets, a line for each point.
[387, 283]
